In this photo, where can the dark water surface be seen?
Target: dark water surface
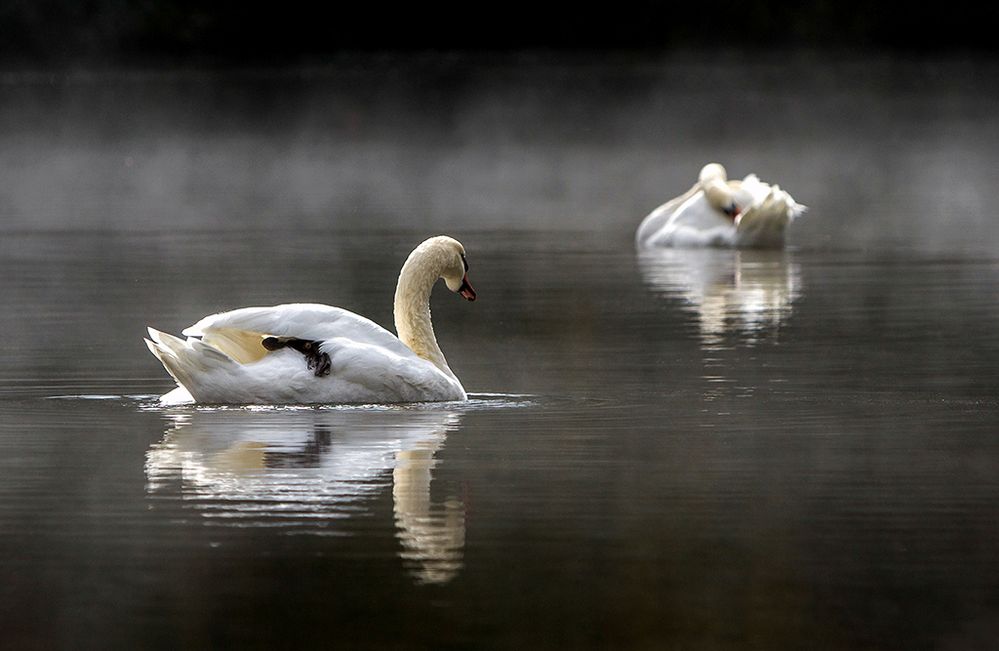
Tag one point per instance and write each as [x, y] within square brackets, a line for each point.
[694, 449]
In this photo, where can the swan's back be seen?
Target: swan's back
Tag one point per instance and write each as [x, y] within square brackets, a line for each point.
[312, 321]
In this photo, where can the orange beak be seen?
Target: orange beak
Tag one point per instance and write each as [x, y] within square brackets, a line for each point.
[466, 290]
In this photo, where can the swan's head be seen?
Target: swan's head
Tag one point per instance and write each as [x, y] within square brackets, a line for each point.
[720, 197]
[712, 171]
[453, 265]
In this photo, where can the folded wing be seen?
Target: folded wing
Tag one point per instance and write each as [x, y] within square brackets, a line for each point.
[239, 333]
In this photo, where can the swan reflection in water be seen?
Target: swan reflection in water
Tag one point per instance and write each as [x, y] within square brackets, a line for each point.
[305, 469]
[744, 292]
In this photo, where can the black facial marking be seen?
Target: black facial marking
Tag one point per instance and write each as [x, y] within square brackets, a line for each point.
[464, 262]
[315, 360]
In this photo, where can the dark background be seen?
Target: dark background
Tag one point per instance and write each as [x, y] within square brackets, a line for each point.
[69, 32]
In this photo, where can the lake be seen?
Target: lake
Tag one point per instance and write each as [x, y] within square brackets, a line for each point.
[681, 449]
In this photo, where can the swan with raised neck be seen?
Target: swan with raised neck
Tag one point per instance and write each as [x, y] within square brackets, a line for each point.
[309, 353]
[437, 257]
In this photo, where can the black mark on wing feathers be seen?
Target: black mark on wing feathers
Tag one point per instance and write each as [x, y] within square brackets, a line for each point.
[316, 361]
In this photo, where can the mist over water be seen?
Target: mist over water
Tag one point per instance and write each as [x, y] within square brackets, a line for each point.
[884, 152]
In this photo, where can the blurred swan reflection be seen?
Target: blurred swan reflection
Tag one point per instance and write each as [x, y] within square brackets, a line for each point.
[304, 469]
[747, 292]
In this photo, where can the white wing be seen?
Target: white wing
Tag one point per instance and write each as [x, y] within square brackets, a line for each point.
[691, 222]
[654, 222]
[312, 321]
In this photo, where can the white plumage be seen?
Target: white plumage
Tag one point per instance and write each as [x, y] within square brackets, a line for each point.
[224, 360]
[722, 213]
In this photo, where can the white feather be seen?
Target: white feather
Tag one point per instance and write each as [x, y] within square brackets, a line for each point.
[691, 220]
[223, 359]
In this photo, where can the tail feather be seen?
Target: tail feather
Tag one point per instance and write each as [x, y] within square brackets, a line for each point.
[184, 360]
[168, 358]
[208, 355]
[167, 341]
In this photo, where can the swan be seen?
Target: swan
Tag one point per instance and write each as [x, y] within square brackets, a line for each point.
[718, 212]
[306, 353]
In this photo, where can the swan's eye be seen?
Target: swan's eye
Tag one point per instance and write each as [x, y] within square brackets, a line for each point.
[464, 261]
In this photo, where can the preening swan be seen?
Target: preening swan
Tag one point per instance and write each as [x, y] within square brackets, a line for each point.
[719, 212]
[304, 353]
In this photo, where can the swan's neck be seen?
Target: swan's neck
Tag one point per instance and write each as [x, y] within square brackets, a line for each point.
[718, 194]
[412, 309]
